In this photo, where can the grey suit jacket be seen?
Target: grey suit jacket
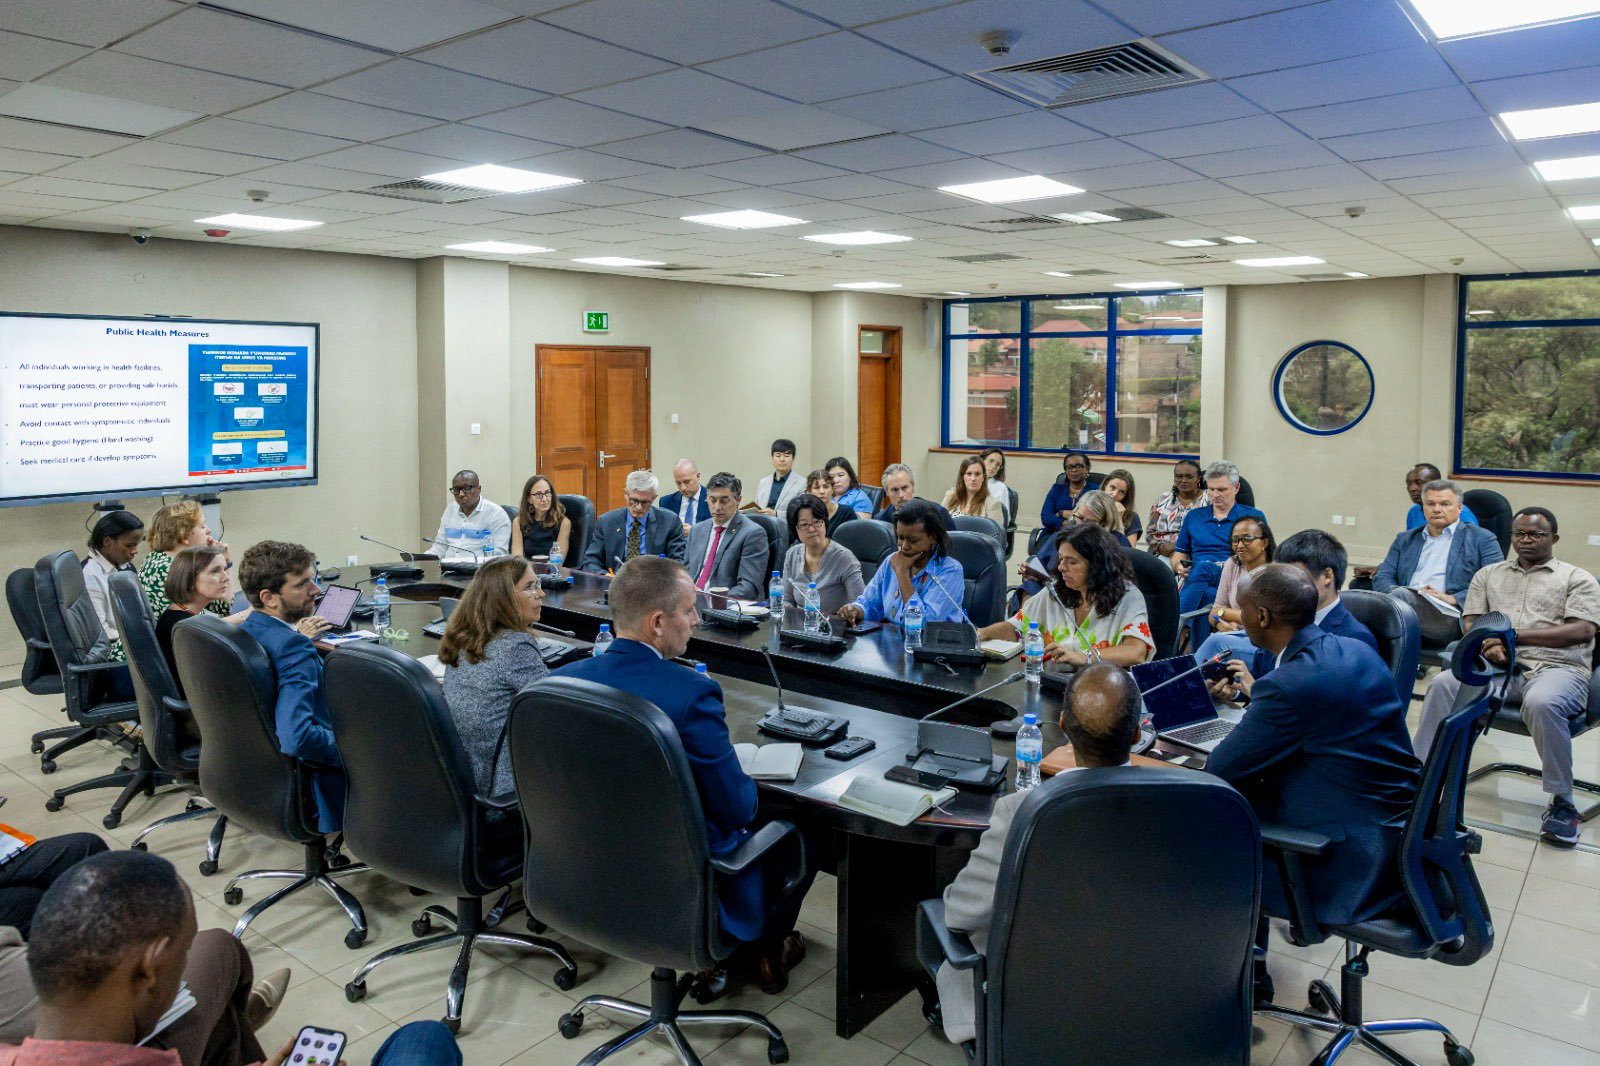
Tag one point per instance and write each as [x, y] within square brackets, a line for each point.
[741, 562]
[609, 541]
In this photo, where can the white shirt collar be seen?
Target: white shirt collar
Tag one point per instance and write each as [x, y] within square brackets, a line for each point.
[1323, 612]
[275, 618]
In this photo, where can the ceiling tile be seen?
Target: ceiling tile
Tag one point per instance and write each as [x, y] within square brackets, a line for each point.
[1335, 29]
[115, 172]
[252, 138]
[1386, 112]
[1492, 157]
[1399, 70]
[228, 44]
[406, 85]
[1210, 137]
[89, 22]
[469, 144]
[679, 148]
[682, 98]
[1164, 110]
[1301, 153]
[928, 104]
[825, 68]
[326, 115]
[181, 157]
[24, 58]
[376, 159]
[1442, 136]
[847, 187]
[543, 57]
[318, 177]
[1039, 28]
[771, 170]
[52, 185]
[568, 123]
[696, 33]
[664, 182]
[163, 84]
[42, 137]
[1014, 133]
[1152, 17]
[395, 24]
[1063, 161]
[1535, 50]
[861, 12]
[880, 153]
[590, 165]
[17, 161]
[792, 126]
[1539, 90]
[954, 172]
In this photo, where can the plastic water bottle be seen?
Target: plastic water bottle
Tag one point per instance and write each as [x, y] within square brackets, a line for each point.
[775, 597]
[380, 604]
[556, 558]
[1033, 654]
[813, 601]
[603, 639]
[911, 624]
[701, 668]
[1030, 752]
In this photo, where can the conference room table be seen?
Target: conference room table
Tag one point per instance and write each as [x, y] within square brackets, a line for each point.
[883, 870]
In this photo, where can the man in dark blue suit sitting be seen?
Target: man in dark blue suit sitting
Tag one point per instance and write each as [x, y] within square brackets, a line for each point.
[653, 609]
[1323, 746]
[280, 581]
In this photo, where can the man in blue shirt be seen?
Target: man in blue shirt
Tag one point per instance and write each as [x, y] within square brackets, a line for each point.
[640, 528]
[1203, 545]
[1419, 476]
[1430, 567]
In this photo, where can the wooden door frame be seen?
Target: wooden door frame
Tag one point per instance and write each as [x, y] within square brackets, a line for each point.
[538, 379]
[892, 338]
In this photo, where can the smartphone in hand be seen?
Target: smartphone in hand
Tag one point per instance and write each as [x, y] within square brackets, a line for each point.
[317, 1047]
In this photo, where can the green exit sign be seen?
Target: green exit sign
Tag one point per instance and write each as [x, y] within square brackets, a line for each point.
[596, 321]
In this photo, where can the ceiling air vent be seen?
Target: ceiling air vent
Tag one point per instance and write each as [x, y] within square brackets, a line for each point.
[1184, 260]
[1136, 214]
[1323, 277]
[672, 267]
[1019, 224]
[1099, 74]
[429, 192]
[986, 257]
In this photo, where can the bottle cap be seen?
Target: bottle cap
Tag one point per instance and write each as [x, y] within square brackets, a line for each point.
[605, 627]
[812, 586]
[701, 668]
[1030, 719]
[1033, 625]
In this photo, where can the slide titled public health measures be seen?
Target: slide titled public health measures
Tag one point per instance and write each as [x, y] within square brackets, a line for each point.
[94, 405]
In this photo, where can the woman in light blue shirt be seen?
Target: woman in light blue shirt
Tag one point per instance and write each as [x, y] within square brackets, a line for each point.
[922, 567]
[846, 486]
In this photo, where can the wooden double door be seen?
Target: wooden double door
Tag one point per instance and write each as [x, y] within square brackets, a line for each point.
[594, 418]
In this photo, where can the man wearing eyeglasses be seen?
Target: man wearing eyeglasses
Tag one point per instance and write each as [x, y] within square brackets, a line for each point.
[471, 525]
[1555, 609]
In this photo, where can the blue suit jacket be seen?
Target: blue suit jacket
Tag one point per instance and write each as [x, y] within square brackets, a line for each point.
[1324, 746]
[305, 731]
[673, 501]
[1471, 549]
[1339, 622]
[609, 540]
[727, 794]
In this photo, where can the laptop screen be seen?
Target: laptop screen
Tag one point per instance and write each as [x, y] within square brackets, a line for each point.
[1178, 704]
[336, 604]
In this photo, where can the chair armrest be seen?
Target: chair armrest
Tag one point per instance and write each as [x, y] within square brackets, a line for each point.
[1300, 841]
[89, 668]
[937, 943]
[176, 706]
[1285, 846]
[1186, 615]
[490, 804]
[37, 644]
[768, 837]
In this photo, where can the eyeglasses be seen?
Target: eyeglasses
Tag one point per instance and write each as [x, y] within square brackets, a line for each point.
[540, 495]
[1529, 534]
[1247, 538]
[1077, 466]
[808, 527]
[462, 490]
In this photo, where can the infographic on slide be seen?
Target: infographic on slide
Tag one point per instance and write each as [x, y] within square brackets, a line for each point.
[102, 406]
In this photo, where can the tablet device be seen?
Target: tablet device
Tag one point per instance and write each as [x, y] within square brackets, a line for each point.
[336, 605]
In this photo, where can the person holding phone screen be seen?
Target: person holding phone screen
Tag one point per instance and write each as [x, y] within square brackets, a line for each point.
[921, 567]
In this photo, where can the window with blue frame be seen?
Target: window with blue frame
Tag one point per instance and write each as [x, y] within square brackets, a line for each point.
[1104, 372]
[1528, 375]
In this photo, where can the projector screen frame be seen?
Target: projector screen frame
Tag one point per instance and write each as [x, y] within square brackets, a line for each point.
[314, 400]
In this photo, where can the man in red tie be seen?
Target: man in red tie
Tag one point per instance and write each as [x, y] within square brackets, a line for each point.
[728, 550]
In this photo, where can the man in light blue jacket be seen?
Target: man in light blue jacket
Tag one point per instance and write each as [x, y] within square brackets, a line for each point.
[1431, 566]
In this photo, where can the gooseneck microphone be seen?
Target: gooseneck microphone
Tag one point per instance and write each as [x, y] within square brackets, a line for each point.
[405, 556]
[447, 546]
[767, 655]
[1010, 679]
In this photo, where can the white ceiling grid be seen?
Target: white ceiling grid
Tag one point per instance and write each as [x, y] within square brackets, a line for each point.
[849, 114]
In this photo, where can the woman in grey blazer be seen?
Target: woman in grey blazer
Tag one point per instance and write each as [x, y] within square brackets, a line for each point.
[813, 557]
[489, 656]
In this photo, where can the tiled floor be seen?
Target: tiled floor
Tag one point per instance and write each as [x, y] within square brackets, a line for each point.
[1536, 999]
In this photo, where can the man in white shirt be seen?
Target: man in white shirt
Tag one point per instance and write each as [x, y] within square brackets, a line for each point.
[1100, 715]
[471, 525]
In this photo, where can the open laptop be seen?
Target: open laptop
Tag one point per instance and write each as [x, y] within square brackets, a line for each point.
[1182, 710]
[338, 603]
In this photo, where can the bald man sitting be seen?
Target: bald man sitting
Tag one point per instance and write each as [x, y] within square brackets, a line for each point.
[1100, 715]
[689, 502]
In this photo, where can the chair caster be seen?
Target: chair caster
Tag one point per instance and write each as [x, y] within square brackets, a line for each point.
[112, 820]
[355, 938]
[777, 1051]
[54, 803]
[415, 891]
[338, 861]
[535, 926]
[571, 1025]
[233, 896]
[355, 991]
[37, 747]
[192, 806]
[47, 766]
[452, 1024]
[566, 978]
[1319, 999]
[207, 867]
[1458, 1054]
[420, 927]
[139, 846]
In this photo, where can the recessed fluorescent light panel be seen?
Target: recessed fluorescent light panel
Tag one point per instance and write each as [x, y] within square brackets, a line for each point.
[1057, 274]
[275, 225]
[743, 220]
[1583, 166]
[1540, 122]
[862, 237]
[1236, 239]
[1463, 18]
[1087, 218]
[1193, 242]
[764, 274]
[1281, 261]
[1356, 274]
[952, 292]
[1587, 213]
[1149, 285]
[496, 178]
[867, 285]
[618, 261]
[1012, 190]
[497, 247]
[67, 107]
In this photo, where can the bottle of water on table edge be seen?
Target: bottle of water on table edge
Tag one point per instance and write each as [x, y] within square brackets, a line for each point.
[775, 597]
[380, 604]
[556, 558]
[603, 639]
[813, 602]
[1033, 654]
[911, 624]
[1030, 752]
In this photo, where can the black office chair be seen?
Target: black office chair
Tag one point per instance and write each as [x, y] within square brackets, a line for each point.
[777, 538]
[511, 512]
[875, 494]
[81, 646]
[414, 814]
[1394, 625]
[870, 542]
[581, 512]
[1011, 519]
[1246, 495]
[986, 526]
[617, 854]
[1444, 915]
[1061, 981]
[983, 595]
[1154, 579]
[1036, 537]
[40, 674]
[233, 694]
[162, 713]
[1493, 512]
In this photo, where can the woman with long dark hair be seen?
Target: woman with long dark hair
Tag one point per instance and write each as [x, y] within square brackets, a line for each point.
[1119, 486]
[846, 486]
[541, 521]
[971, 496]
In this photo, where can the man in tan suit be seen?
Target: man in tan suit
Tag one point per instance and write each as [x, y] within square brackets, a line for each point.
[1100, 715]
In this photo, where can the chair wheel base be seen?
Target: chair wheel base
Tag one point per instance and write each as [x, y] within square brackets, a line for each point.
[1458, 1054]
[1319, 999]
[207, 867]
[421, 927]
[37, 747]
[54, 803]
[777, 1051]
[566, 978]
[355, 938]
[571, 1025]
[355, 991]
[452, 1024]
[112, 820]
[233, 896]
[47, 766]
[139, 846]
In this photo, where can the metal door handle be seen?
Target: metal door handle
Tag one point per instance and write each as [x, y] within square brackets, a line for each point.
[604, 455]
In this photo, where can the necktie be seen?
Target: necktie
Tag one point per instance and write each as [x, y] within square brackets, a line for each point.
[687, 509]
[635, 534]
[711, 557]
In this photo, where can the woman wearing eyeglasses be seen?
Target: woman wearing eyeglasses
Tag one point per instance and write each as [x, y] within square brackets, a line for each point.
[541, 521]
[1253, 547]
[1167, 513]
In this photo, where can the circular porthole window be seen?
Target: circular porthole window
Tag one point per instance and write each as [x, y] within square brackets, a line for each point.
[1323, 387]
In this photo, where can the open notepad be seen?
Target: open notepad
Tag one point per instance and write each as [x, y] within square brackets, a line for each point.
[890, 800]
[770, 762]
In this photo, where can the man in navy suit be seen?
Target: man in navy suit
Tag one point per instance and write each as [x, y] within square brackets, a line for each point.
[689, 502]
[280, 581]
[640, 528]
[1323, 746]
[1433, 564]
[653, 609]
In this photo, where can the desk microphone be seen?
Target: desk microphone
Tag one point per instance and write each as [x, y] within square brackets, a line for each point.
[1008, 680]
[767, 655]
[447, 546]
[556, 630]
[405, 556]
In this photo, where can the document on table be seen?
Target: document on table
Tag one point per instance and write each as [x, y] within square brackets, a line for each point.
[892, 801]
[770, 762]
